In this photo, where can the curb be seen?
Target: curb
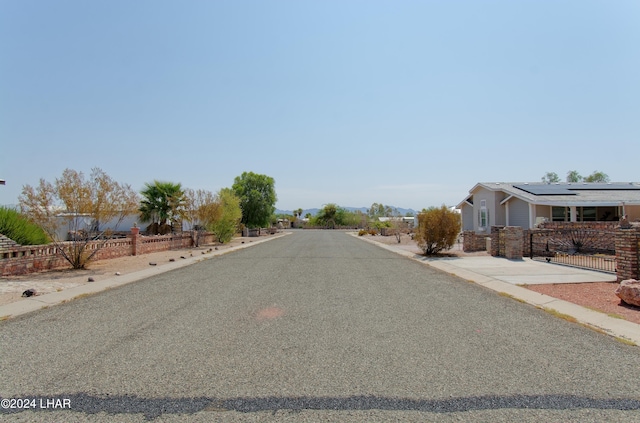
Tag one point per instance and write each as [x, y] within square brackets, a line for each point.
[31, 304]
[601, 322]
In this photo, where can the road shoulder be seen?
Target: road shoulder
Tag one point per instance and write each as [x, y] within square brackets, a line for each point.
[601, 322]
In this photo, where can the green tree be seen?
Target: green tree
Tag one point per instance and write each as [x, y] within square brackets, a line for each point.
[326, 216]
[228, 216]
[162, 202]
[200, 209]
[257, 196]
[550, 178]
[380, 210]
[332, 215]
[573, 176]
[597, 176]
[437, 229]
[19, 228]
[78, 205]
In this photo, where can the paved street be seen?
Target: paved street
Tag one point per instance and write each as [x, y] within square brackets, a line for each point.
[314, 326]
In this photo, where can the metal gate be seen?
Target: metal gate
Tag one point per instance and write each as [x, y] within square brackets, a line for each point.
[581, 247]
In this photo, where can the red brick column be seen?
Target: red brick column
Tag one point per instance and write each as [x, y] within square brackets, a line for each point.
[135, 237]
[627, 245]
[513, 240]
[495, 241]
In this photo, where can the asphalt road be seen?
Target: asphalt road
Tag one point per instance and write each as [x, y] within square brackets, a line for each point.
[315, 326]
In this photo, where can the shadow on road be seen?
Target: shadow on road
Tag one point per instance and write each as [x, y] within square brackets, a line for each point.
[155, 407]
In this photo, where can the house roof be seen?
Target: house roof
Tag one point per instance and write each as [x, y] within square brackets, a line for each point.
[390, 218]
[581, 194]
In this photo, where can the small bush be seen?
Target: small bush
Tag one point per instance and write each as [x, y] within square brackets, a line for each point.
[362, 232]
[18, 228]
[437, 229]
[373, 231]
[379, 225]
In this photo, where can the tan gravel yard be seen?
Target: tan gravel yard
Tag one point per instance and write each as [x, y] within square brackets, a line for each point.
[12, 287]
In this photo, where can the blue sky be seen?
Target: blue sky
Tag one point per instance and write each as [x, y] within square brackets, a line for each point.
[408, 103]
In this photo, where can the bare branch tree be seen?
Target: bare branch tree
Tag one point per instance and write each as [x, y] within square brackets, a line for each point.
[79, 207]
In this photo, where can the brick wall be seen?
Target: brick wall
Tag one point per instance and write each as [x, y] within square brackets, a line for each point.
[6, 243]
[602, 234]
[20, 260]
[513, 239]
[627, 248]
[471, 241]
[585, 225]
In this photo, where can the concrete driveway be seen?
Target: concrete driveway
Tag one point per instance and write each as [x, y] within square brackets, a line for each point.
[525, 271]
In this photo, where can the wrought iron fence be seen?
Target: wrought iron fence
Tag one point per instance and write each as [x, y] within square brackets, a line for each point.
[600, 263]
[579, 247]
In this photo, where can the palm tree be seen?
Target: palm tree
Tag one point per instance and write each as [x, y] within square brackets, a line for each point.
[162, 202]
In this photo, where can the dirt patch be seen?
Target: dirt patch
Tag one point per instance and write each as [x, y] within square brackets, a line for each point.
[598, 296]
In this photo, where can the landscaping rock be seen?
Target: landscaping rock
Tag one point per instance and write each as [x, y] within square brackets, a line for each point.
[629, 292]
[90, 279]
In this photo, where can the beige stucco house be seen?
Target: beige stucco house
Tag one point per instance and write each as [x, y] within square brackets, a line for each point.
[527, 203]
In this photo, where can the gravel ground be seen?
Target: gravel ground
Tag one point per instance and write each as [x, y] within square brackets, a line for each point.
[598, 296]
[12, 287]
[316, 326]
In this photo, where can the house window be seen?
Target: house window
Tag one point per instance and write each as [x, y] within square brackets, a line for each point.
[559, 214]
[586, 214]
[483, 215]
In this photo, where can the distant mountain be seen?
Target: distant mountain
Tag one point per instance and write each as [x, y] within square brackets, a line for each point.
[304, 211]
[364, 210]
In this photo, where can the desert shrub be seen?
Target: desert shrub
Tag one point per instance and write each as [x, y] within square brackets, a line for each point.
[228, 217]
[362, 232]
[379, 225]
[20, 229]
[437, 229]
[373, 231]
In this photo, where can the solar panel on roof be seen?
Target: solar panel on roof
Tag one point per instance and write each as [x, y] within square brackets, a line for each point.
[619, 186]
[545, 189]
[570, 189]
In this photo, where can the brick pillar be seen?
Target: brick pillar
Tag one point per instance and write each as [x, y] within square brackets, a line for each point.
[495, 241]
[135, 237]
[513, 240]
[627, 246]
[468, 244]
[526, 243]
